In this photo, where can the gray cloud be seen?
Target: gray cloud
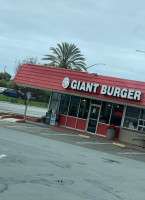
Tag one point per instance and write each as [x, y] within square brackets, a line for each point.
[106, 31]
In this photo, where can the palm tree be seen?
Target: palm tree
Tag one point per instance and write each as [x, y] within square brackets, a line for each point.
[66, 56]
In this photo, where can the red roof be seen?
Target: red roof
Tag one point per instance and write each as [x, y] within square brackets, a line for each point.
[51, 78]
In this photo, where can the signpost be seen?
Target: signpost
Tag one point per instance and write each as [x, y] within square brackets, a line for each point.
[28, 97]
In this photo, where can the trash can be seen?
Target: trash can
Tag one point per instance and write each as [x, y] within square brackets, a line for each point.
[111, 132]
[48, 117]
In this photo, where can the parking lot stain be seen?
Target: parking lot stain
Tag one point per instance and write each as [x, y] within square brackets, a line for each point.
[110, 161]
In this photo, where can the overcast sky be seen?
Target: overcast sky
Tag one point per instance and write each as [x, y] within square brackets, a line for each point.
[106, 31]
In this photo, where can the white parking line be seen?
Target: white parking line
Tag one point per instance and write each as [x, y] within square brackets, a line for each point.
[92, 143]
[21, 126]
[132, 153]
[2, 155]
[14, 126]
[60, 134]
[36, 127]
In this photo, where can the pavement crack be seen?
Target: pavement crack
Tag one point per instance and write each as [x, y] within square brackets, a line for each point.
[103, 187]
[3, 187]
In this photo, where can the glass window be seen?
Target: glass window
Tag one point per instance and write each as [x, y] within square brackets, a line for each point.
[130, 123]
[141, 122]
[105, 112]
[55, 100]
[132, 112]
[132, 120]
[117, 113]
[84, 108]
[64, 104]
[94, 112]
[142, 114]
[140, 128]
[92, 126]
[96, 102]
[74, 105]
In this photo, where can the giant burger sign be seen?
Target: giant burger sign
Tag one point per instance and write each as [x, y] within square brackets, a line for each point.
[104, 89]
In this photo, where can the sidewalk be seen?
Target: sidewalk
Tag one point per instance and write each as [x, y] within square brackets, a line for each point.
[72, 131]
[82, 134]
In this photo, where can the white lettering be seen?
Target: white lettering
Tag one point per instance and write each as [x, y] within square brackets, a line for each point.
[117, 92]
[96, 87]
[83, 86]
[124, 93]
[103, 89]
[137, 95]
[89, 87]
[78, 85]
[130, 94]
[74, 84]
[110, 93]
[109, 90]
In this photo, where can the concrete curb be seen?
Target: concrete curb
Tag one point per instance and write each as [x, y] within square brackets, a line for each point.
[84, 136]
[19, 119]
[118, 144]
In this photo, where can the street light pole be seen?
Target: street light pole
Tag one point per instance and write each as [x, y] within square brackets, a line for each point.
[96, 64]
[5, 69]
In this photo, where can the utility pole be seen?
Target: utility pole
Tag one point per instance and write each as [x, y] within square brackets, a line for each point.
[5, 69]
[28, 97]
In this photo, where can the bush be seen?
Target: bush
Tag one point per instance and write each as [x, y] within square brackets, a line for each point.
[21, 101]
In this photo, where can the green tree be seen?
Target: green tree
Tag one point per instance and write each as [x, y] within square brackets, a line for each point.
[5, 76]
[3, 83]
[38, 95]
[28, 60]
[11, 85]
[66, 56]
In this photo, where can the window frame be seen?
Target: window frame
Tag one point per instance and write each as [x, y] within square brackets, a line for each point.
[138, 120]
[110, 112]
[68, 104]
[58, 101]
[113, 104]
[80, 106]
[77, 108]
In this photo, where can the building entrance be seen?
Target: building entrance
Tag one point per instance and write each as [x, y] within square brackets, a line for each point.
[93, 118]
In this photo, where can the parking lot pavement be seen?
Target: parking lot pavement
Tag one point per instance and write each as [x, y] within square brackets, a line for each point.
[76, 138]
[17, 109]
[43, 168]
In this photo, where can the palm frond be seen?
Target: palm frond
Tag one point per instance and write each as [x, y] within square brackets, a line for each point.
[67, 56]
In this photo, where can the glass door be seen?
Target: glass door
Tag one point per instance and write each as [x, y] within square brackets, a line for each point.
[93, 118]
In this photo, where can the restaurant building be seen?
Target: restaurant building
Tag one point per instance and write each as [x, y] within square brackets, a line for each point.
[89, 102]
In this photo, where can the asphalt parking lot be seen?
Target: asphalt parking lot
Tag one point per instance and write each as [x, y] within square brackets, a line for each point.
[35, 164]
[136, 153]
